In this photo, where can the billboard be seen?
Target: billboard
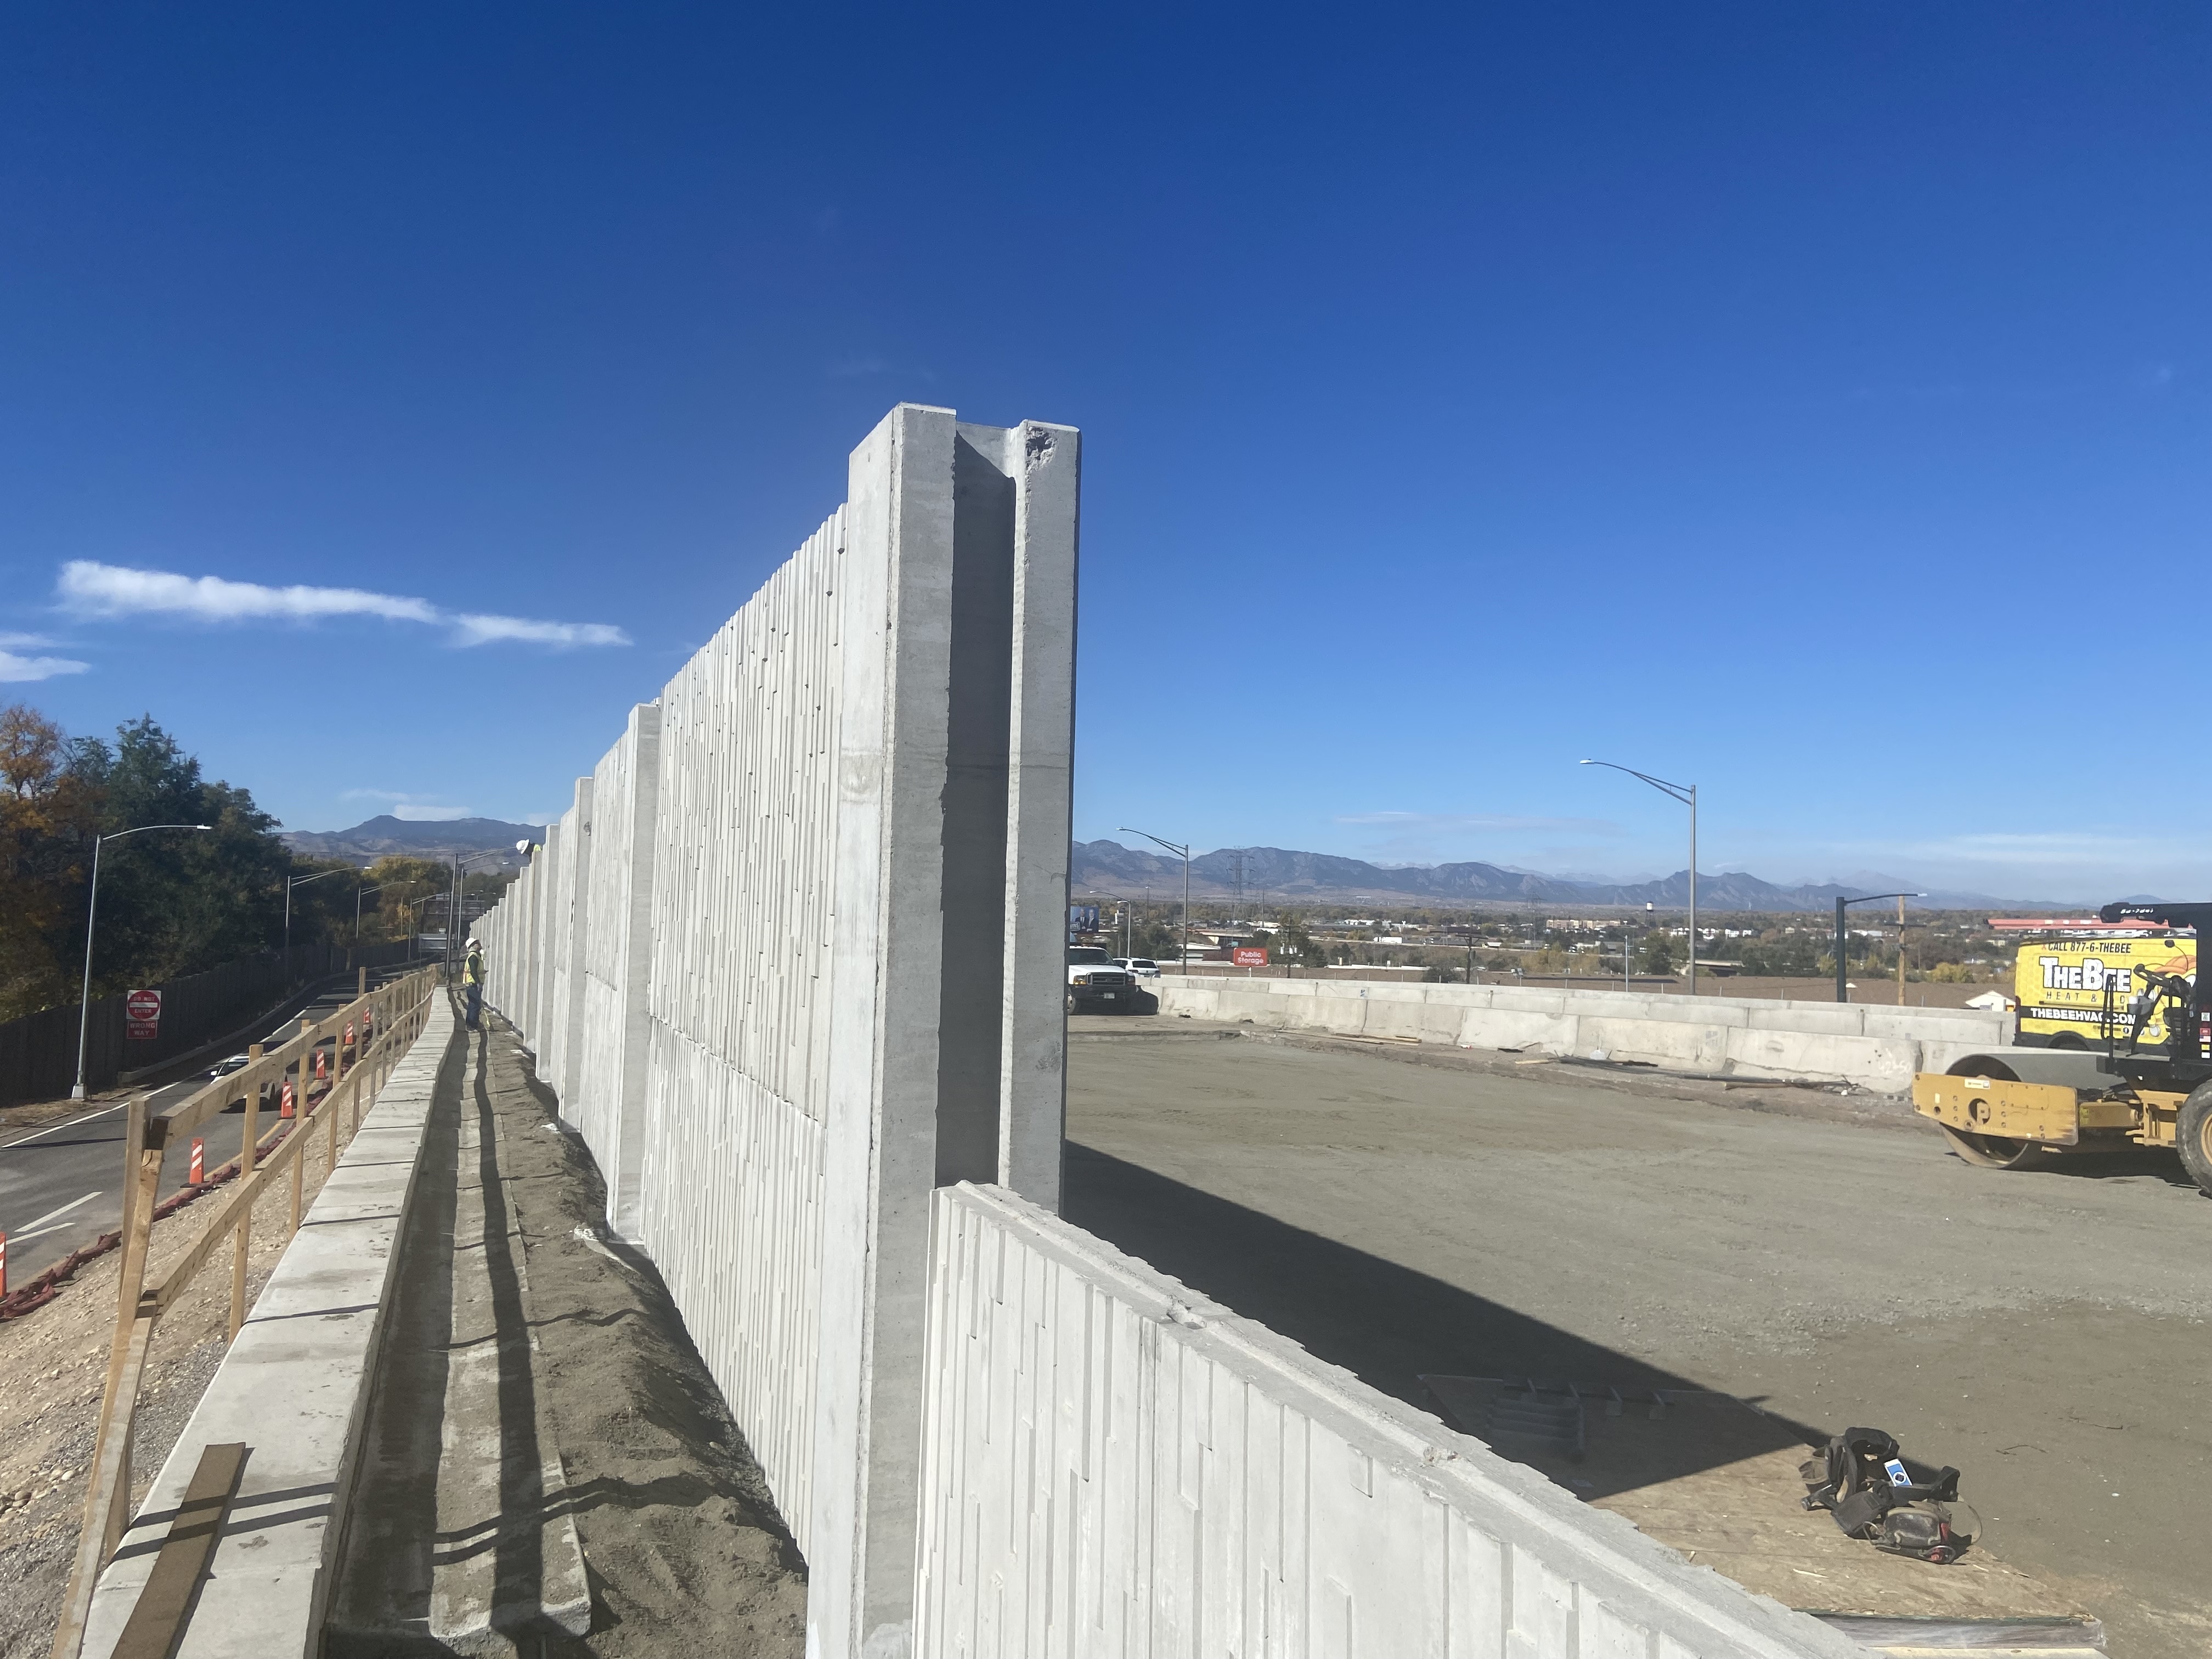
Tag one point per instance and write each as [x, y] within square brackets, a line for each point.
[1082, 918]
[1249, 956]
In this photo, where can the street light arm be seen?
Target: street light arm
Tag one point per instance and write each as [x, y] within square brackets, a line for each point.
[1180, 852]
[1680, 792]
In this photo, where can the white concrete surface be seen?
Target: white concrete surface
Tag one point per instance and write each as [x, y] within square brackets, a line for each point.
[608, 1102]
[1116, 1466]
[852, 960]
[294, 1389]
[1873, 1046]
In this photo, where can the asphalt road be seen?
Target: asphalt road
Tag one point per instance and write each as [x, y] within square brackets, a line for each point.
[2045, 1332]
[61, 1187]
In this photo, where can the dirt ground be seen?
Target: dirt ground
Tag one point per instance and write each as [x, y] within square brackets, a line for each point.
[686, 1551]
[684, 1548]
[1403, 1211]
[55, 1360]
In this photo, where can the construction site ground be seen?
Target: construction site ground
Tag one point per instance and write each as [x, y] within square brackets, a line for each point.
[1406, 1211]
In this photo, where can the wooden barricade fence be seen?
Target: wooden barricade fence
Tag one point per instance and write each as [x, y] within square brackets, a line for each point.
[384, 1023]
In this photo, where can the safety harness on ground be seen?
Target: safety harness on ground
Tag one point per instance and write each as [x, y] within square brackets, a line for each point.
[1862, 1481]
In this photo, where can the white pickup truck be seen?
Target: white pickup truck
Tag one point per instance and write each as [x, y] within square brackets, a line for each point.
[1095, 986]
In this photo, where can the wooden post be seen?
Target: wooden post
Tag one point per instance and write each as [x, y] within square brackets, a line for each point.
[107, 1490]
[299, 1126]
[242, 1240]
[1900, 950]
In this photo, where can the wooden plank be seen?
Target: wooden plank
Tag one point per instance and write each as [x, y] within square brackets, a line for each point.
[158, 1620]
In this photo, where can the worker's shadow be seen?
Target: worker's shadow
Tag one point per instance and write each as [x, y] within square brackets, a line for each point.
[1389, 1325]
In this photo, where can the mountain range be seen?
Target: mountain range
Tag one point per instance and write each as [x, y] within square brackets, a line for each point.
[1107, 866]
[416, 838]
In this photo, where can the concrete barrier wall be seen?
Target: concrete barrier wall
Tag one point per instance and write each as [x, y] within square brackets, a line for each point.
[1114, 1466]
[1873, 1046]
[838, 946]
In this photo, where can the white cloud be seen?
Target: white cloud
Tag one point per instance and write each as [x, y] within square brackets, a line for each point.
[91, 589]
[410, 809]
[484, 630]
[17, 668]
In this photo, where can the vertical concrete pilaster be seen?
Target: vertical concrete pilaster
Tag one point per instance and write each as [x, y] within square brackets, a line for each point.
[880, 1140]
[1046, 462]
[618, 924]
[824, 976]
[577, 867]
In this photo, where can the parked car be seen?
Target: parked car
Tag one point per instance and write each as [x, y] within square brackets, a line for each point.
[1141, 967]
[224, 1068]
[1095, 986]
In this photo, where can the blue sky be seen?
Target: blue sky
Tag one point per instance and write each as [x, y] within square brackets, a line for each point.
[1807, 401]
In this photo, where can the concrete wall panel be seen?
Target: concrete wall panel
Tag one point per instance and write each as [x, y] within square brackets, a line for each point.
[1114, 1466]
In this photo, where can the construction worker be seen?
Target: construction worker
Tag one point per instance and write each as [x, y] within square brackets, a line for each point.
[472, 978]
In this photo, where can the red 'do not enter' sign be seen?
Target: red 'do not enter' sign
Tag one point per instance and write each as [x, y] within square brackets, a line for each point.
[142, 1015]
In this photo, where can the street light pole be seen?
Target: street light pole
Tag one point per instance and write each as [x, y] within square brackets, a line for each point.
[91, 916]
[1182, 852]
[361, 893]
[1687, 794]
[290, 882]
[1843, 989]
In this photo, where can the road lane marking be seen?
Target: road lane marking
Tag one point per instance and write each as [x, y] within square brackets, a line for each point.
[25, 1238]
[51, 1215]
[56, 1128]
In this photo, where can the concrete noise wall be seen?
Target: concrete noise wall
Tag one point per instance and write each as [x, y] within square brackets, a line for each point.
[1114, 1466]
[793, 960]
[1873, 1046]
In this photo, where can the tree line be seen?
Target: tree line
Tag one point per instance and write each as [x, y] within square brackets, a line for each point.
[171, 904]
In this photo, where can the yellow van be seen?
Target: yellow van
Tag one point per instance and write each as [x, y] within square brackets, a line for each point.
[2065, 986]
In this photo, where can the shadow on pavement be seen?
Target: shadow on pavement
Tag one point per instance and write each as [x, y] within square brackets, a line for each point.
[1387, 1325]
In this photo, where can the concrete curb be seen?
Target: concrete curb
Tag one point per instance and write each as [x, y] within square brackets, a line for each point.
[294, 1389]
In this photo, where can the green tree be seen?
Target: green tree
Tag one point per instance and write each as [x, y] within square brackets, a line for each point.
[49, 812]
[1657, 953]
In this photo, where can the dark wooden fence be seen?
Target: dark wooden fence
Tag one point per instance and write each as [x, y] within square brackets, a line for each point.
[38, 1053]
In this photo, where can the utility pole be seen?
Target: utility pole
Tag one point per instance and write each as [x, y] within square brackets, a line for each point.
[1843, 935]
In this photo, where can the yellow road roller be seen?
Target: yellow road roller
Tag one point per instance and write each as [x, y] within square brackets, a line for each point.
[2012, 1108]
